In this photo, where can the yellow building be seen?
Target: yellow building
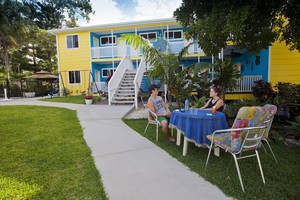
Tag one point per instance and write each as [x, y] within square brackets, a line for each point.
[88, 55]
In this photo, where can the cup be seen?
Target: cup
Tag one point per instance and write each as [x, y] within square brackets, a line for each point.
[195, 111]
[214, 110]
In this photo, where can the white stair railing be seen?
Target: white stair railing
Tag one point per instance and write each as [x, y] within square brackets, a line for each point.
[138, 80]
[125, 64]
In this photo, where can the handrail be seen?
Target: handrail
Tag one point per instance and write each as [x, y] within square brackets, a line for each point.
[125, 64]
[138, 79]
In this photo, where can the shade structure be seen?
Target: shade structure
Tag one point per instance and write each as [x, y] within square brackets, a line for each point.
[42, 75]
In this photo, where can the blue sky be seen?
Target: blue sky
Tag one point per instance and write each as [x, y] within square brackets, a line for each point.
[114, 11]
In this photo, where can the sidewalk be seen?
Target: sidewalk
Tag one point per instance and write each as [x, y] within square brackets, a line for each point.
[132, 167]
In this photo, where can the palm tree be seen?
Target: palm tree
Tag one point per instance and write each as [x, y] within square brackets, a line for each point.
[227, 75]
[166, 64]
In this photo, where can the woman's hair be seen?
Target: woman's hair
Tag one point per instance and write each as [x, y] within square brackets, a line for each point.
[217, 89]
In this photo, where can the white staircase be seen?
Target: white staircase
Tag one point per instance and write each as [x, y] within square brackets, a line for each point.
[125, 93]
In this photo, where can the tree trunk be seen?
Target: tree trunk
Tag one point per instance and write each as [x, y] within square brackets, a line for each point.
[7, 68]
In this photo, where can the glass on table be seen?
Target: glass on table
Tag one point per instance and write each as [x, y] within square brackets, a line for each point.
[194, 111]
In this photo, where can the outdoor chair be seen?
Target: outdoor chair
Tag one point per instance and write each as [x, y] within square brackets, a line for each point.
[245, 135]
[270, 110]
[152, 119]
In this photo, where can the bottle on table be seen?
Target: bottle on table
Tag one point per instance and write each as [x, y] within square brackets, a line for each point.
[186, 104]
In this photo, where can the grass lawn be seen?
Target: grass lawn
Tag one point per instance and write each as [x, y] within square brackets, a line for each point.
[282, 179]
[68, 99]
[44, 155]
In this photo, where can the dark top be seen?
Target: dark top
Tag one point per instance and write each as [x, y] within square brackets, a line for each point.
[211, 104]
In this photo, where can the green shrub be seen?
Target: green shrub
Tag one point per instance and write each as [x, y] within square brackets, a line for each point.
[263, 91]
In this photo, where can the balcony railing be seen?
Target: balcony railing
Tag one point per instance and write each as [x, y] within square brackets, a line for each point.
[246, 83]
[120, 51]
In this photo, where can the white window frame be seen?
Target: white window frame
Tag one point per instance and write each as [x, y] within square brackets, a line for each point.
[108, 69]
[75, 81]
[71, 35]
[109, 44]
[172, 39]
[147, 33]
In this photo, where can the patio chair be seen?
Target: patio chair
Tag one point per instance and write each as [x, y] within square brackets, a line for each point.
[245, 135]
[152, 119]
[270, 111]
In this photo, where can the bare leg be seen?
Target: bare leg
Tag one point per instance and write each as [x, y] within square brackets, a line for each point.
[166, 131]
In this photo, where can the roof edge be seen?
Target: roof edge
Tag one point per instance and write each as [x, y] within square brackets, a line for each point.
[112, 25]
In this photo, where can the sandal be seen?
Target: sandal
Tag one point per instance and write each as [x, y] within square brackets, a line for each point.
[172, 139]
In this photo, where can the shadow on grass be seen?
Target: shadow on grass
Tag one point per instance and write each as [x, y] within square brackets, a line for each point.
[282, 179]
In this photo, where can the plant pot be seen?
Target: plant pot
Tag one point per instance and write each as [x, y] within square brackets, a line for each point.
[88, 101]
[29, 94]
[103, 98]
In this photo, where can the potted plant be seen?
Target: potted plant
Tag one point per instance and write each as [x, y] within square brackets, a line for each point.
[88, 99]
[103, 96]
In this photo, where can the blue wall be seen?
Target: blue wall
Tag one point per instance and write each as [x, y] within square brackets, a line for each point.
[249, 67]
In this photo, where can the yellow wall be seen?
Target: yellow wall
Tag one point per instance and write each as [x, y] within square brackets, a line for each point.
[284, 64]
[238, 96]
[75, 59]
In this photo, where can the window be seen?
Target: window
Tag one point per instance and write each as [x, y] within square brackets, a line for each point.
[173, 35]
[108, 40]
[149, 36]
[107, 71]
[74, 77]
[72, 41]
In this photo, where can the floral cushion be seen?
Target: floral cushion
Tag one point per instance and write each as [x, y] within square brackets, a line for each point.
[269, 110]
[246, 117]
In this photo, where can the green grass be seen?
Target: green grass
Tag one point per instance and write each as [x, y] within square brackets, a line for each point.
[68, 99]
[282, 179]
[44, 155]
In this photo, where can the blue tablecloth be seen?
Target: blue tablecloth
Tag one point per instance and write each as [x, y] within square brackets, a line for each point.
[196, 125]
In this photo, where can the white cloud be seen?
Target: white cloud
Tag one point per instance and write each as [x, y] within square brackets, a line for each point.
[155, 9]
[106, 11]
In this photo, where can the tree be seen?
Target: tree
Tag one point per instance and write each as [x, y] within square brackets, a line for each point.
[253, 24]
[49, 14]
[13, 29]
[166, 66]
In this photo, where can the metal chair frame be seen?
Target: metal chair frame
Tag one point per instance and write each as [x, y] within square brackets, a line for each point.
[266, 139]
[250, 142]
[152, 119]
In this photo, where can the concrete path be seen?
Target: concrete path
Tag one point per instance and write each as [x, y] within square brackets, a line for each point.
[132, 167]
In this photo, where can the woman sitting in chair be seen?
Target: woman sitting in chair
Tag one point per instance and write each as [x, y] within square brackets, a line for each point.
[215, 99]
[157, 105]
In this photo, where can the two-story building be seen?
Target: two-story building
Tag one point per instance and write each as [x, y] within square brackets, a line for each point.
[88, 55]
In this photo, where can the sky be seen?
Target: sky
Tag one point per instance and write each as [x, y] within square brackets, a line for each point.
[115, 11]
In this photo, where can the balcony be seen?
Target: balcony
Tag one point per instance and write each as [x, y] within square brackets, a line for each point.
[120, 51]
[245, 84]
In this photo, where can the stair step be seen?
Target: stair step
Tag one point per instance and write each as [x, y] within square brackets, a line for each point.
[126, 81]
[125, 95]
[125, 88]
[123, 98]
[120, 102]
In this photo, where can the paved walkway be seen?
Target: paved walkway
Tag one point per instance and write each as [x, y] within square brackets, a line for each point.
[132, 167]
